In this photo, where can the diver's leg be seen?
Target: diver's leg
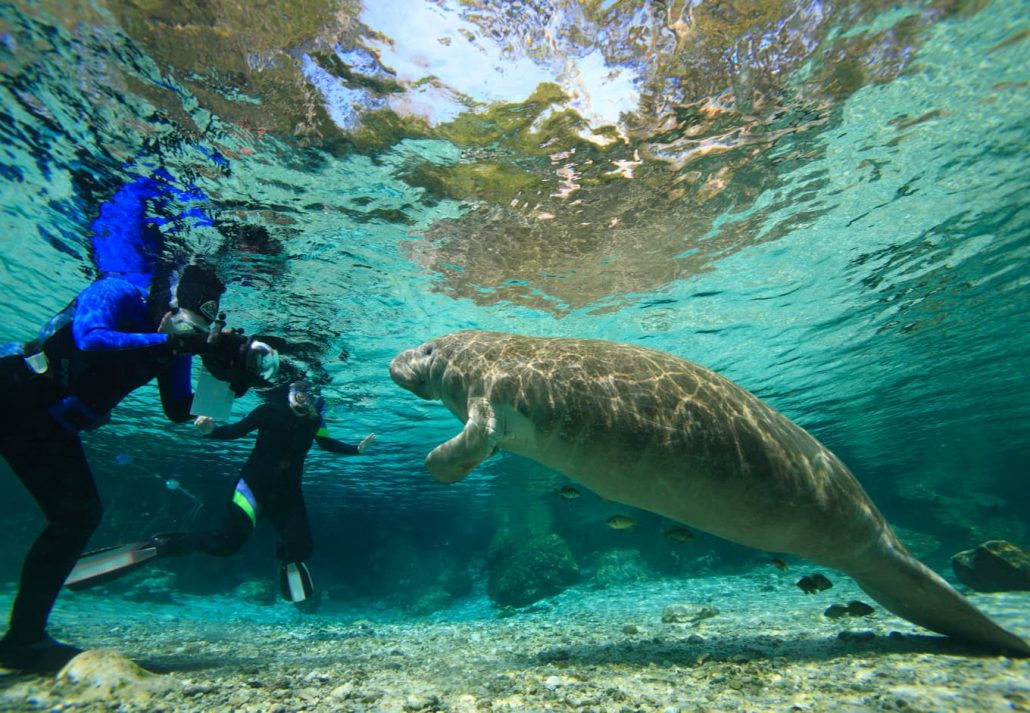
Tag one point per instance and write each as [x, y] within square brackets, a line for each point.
[290, 521]
[50, 462]
[289, 518]
[108, 564]
[238, 521]
[237, 524]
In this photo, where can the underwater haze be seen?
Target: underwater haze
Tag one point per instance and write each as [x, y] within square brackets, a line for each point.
[826, 203]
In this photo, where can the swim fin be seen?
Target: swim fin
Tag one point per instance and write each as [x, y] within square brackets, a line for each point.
[295, 581]
[109, 563]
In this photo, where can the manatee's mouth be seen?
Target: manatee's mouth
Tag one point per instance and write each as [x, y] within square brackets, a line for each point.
[408, 372]
[401, 371]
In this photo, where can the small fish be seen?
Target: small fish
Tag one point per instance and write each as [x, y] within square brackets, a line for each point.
[567, 492]
[778, 564]
[836, 611]
[812, 583]
[679, 534]
[853, 608]
[857, 608]
[621, 522]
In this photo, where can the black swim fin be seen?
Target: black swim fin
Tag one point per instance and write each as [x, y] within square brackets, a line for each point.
[295, 581]
[109, 563]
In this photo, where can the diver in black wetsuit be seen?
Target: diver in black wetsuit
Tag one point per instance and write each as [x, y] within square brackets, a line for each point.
[269, 486]
[110, 340]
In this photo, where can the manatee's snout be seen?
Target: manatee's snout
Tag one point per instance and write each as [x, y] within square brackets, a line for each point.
[401, 370]
[410, 370]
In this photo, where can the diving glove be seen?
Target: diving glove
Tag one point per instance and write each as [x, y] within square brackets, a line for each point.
[188, 342]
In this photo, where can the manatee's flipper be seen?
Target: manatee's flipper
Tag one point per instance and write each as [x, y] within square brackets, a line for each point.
[913, 591]
[452, 460]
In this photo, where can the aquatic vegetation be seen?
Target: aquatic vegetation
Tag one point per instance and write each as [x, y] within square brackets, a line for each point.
[520, 573]
[994, 566]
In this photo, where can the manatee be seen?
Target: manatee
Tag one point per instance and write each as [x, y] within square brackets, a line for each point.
[654, 431]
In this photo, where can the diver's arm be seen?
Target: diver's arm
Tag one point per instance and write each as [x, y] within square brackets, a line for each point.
[174, 384]
[101, 308]
[250, 422]
[327, 443]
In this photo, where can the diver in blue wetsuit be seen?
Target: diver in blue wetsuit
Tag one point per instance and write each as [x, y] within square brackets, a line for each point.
[109, 341]
[127, 328]
[269, 487]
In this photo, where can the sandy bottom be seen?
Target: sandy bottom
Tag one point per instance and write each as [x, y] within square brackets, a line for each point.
[768, 648]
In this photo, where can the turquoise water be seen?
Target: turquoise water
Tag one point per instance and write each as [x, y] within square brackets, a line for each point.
[826, 204]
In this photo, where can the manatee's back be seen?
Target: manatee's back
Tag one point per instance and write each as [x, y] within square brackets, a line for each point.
[583, 389]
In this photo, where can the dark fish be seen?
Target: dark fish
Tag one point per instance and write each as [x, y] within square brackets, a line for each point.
[857, 608]
[679, 534]
[836, 611]
[812, 583]
[778, 563]
[621, 522]
[567, 492]
[853, 608]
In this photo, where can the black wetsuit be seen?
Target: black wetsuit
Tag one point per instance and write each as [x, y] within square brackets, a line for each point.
[270, 482]
[101, 348]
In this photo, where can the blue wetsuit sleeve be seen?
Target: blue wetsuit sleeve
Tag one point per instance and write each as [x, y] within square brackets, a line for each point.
[251, 421]
[326, 443]
[111, 316]
[176, 392]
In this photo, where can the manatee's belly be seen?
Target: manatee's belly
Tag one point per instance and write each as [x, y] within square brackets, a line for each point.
[771, 487]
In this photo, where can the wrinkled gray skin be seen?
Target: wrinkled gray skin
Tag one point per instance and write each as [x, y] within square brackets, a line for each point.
[653, 431]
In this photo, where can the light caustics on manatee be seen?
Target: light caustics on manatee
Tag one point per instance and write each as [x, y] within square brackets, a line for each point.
[654, 431]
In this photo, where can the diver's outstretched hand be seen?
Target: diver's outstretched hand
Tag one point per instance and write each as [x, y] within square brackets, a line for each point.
[205, 424]
[365, 441]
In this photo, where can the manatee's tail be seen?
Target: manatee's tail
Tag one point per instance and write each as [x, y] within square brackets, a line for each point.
[910, 589]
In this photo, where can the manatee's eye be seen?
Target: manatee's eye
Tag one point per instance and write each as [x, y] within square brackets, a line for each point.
[427, 350]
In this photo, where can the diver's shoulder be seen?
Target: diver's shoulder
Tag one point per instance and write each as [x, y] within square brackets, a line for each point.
[273, 408]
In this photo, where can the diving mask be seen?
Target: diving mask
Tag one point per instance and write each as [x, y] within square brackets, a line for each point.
[303, 401]
[262, 360]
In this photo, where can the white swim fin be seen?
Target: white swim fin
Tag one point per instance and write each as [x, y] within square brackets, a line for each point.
[295, 581]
